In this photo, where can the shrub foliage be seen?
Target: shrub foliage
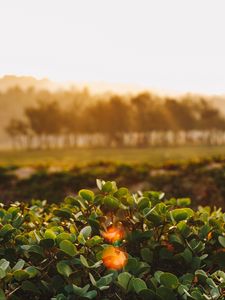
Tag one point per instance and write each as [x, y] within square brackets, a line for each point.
[202, 181]
[54, 251]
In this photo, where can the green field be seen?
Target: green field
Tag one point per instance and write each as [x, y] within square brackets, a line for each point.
[70, 157]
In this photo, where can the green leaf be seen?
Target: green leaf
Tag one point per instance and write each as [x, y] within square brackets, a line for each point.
[147, 255]
[6, 229]
[180, 214]
[201, 275]
[67, 247]
[148, 294]
[86, 231]
[157, 275]
[99, 183]
[195, 264]
[47, 243]
[95, 240]
[187, 255]
[50, 234]
[154, 217]
[124, 280]
[111, 203]
[2, 273]
[32, 271]
[221, 240]
[138, 285]
[122, 192]
[93, 281]
[19, 265]
[107, 187]
[166, 293]
[211, 283]
[2, 295]
[183, 202]
[91, 294]
[64, 213]
[87, 195]
[72, 201]
[65, 236]
[30, 286]
[4, 264]
[197, 295]
[20, 275]
[81, 239]
[84, 261]
[144, 202]
[33, 249]
[77, 290]
[105, 280]
[183, 228]
[63, 268]
[169, 280]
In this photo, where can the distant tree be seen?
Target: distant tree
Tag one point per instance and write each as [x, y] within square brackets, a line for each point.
[119, 120]
[45, 120]
[148, 116]
[109, 118]
[73, 122]
[66, 117]
[210, 117]
[19, 133]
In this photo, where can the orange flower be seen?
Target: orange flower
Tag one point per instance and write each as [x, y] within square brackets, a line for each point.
[114, 258]
[209, 236]
[113, 234]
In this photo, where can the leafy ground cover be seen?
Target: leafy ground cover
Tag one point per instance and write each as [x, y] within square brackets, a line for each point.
[112, 244]
[202, 181]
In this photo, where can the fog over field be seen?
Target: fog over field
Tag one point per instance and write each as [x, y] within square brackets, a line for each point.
[19, 92]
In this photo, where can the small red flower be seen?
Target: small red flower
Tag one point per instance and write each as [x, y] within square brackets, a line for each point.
[168, 246]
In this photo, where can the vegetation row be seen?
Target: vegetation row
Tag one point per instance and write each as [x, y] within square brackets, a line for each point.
[203, 181]
[140, 120]
[112, 244]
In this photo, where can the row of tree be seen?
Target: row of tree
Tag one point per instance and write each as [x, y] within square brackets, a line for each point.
[140, 120]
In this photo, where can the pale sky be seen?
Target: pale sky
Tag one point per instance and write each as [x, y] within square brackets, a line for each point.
[174, 45]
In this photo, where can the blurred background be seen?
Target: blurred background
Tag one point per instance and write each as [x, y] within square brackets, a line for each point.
[126, 90]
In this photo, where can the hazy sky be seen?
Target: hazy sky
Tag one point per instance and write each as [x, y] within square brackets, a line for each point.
[175, 45]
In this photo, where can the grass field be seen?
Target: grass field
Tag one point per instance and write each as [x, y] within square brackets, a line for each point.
[70, 157]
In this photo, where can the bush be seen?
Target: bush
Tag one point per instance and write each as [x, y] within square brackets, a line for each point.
[112, 245]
